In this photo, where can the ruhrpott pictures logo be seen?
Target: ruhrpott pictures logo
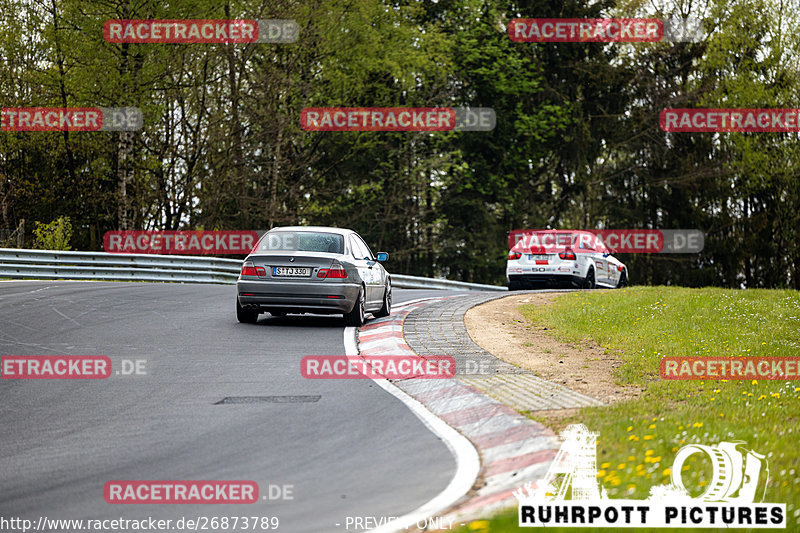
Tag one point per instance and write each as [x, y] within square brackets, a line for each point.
[732, 499]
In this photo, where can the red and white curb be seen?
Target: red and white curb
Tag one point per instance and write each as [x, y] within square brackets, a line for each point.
[513, 449]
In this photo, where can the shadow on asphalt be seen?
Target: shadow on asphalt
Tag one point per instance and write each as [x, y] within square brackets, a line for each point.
[301, 321]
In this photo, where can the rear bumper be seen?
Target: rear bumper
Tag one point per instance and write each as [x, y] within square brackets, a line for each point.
[297, 296]
[546, 279]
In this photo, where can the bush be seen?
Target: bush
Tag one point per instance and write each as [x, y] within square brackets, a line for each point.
[53, 236]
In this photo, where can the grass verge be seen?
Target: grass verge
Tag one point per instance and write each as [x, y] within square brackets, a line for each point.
[638, 439]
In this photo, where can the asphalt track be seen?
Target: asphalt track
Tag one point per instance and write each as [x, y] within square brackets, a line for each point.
[357, 451]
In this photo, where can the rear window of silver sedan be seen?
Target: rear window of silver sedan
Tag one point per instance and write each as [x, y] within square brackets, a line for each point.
[302, 241]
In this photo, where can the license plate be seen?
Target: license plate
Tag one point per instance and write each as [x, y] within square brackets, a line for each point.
[295, 272]
[540, 257]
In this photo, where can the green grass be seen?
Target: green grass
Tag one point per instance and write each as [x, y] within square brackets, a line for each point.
[638, 439]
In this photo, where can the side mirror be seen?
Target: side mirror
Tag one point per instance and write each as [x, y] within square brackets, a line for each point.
[383, 256]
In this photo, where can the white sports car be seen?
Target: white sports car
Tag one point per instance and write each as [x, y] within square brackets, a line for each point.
[565, 257]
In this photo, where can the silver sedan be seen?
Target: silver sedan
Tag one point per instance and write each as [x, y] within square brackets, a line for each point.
[313, 270]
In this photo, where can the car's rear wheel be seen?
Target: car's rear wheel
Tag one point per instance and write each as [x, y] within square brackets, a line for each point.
[245, 316]
[623, 281]
[357, 316]
[588, 282]
[386, 310]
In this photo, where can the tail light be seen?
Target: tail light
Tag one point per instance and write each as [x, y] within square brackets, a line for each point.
[568, 256]
[248, 269]
[514, 255]
[620, 268]
[335, 272]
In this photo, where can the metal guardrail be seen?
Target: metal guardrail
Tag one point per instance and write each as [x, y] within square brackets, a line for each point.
[50, 264]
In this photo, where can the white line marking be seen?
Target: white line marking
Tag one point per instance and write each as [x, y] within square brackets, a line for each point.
[411, 302]
[467, 460]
